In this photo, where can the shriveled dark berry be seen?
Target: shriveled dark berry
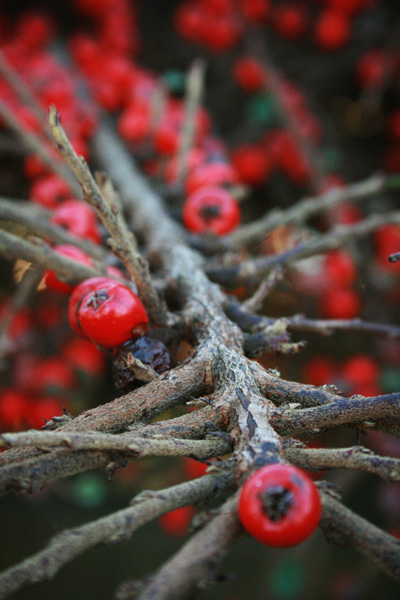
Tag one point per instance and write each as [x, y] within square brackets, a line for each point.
[149, 352]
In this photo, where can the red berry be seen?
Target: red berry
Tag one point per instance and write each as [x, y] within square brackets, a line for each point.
[166, 137]
[318, 371]
[189, 21]
[360, 370]
[134, 123]
[252, 163]
[50, 278]
[249, 74]
[79, 219]
[340, 268]
[177, 521]
[332, 30]
[279, 505]
[342, 303]
[50, 375]
[211, 209]
[13, 409]
[221, 32]
[256, 10]
[370, 68]
[110, 316]
[49, 191]
[211, 173]
[42, 410]
[290, 20]
[82, 355]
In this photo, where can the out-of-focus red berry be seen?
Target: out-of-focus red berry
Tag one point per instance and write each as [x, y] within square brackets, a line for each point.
[82, 355]
[222, 33]
[49, 375]
[252, 163]
[50, 278]
[43, 409]
[318, 371]
[290, 20]
[340, 268]
[177, 521]
[13, 409]
[79, 219]
[370, 68]
[360, 370]
[49, 191]
[340, 303]
[249, 74]
[256, 11]
[332, 30]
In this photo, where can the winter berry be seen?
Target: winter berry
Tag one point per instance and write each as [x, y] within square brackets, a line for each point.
[332, 30]
[49, 191]
[340, 268]
[210, 173]
[249, 74]
[13, 409]
[290, 20]
[252, 163]
[83, 356]
[177, 521]
[211, 210]
[51, 280]
[111, 315]
[279, 505]
[148, 351]
[42, 410]
[79, 219]
[340, 303]
[51, 375]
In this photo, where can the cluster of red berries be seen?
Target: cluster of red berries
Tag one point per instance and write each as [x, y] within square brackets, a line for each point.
[219, 25]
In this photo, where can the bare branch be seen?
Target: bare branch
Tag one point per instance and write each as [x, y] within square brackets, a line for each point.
[111, 529]
[356, 457]
[194, 567]
[253, 270]
[356, 410]
[35, 145]
[122, 243]
[343, 526]
[129, 443]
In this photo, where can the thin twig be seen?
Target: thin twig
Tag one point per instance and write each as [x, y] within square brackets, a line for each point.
[194, 567]
[111, 529]
[129, 443]
[24, 93]
[43, 255]
[194, 93]
[36, 220]
[122, 242]
[310, 207]
[252, 270]
[35, 144]
[342, 526]
[356, 457]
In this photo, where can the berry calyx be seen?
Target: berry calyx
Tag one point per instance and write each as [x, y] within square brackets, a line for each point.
[279, 505]
[211, 210]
